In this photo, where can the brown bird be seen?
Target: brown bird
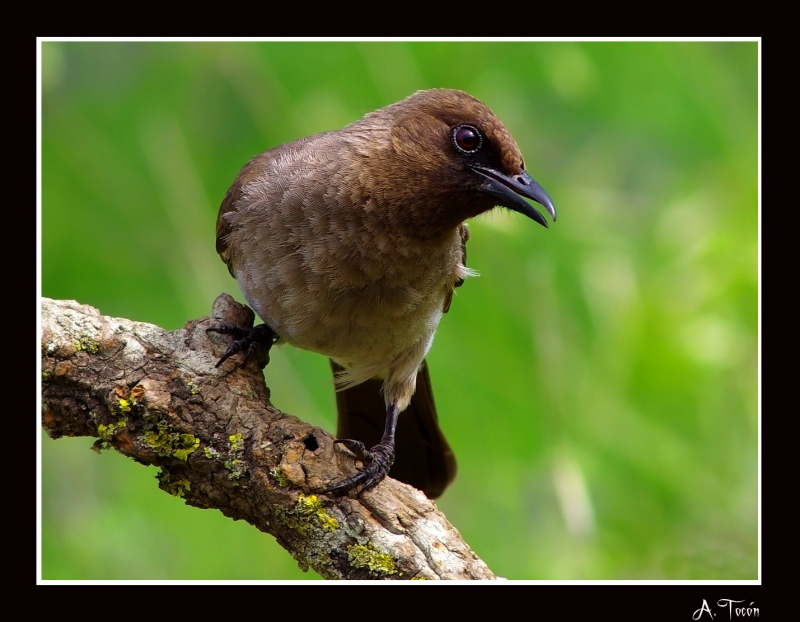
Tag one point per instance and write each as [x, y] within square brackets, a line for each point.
[350, 243]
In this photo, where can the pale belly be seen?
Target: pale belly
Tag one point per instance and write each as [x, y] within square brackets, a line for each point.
[368, 326]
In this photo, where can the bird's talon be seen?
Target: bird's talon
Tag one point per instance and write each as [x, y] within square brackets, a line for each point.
[357, 448]
[257, 340]
[380, 457]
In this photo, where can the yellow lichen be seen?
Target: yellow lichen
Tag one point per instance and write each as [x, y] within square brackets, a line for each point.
[309, 507]
[279, 475]
[85, 343]
[107, 431]
[234, 463]
[360, 556]
[166, 443]
[189, 444]
[178, 488]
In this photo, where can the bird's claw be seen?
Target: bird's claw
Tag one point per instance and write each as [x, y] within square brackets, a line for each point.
[358, 448]
[379, 460]
[253, 341]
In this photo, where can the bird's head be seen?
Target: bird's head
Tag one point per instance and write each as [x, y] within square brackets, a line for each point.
[450, 148]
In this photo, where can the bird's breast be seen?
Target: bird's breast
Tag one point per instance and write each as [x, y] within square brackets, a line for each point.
[353, 291]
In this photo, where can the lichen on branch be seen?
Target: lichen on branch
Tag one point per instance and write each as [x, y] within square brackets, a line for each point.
[157, 397]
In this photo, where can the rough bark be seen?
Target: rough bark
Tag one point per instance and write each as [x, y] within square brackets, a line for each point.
[157, 397]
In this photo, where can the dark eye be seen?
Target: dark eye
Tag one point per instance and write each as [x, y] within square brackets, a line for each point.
[467, 138]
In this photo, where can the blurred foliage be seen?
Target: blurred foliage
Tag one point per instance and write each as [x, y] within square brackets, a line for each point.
[598, 382]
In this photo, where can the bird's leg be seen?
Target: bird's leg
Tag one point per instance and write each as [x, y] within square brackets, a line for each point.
[257, 340]
[378, 459]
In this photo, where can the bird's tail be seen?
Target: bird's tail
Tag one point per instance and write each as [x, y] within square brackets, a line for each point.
[423, 457]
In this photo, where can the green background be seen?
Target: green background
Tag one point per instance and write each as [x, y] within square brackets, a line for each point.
[598, 382]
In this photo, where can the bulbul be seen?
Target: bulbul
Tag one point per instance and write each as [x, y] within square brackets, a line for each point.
[351, 243]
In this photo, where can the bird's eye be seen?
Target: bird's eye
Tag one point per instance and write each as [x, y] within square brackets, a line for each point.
[467, 138]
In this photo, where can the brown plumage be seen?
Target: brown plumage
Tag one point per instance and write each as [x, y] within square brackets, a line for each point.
[350, 243]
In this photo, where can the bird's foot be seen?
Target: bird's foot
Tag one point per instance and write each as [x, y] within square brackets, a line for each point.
[378, 461]
[252, 341]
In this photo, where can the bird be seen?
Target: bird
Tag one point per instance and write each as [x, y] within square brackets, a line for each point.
[350, 243]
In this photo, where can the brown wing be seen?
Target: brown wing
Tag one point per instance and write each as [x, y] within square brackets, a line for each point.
[423, 458]
[463, 230]
[230, 203]
[223, 227]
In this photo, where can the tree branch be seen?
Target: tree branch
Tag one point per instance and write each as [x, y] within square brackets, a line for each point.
[156, 396]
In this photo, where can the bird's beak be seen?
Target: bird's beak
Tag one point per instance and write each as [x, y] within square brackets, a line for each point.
[510, 190]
